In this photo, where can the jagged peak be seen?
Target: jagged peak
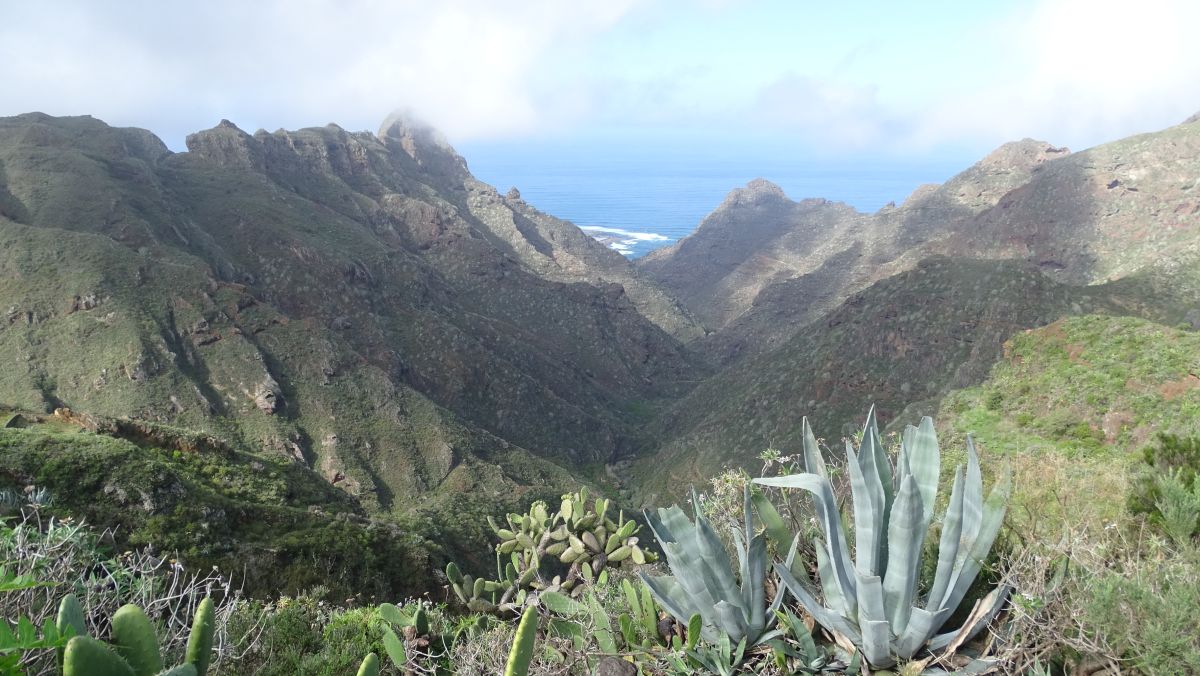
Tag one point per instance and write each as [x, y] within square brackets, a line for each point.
[756, 190]
[1024, 153]
[227, 144]
[422, 142]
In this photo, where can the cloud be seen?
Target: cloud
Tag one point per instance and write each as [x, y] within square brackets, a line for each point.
[1077, 72]
[468, 65]
[821, 111]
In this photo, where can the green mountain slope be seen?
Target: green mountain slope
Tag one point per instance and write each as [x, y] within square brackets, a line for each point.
[355, 304]
[900, 344]
[1071, 404]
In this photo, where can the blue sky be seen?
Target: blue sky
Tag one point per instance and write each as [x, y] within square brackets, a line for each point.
[885, 80]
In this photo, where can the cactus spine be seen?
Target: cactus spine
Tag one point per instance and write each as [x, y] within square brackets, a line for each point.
[522, 649]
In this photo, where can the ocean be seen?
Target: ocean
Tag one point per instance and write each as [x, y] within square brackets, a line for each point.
[636, 206]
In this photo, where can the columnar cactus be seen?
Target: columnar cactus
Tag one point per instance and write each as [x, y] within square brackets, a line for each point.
[580, 536]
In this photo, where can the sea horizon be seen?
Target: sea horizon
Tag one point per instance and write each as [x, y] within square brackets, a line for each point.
[638, 205]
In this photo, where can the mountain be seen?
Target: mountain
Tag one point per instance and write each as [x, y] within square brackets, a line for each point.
[761, 266]
[1100, 214]
[402, 350]
[354, 303]
[826, 311]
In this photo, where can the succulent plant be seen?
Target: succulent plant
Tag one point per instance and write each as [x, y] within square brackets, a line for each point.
[703, 581]
[580, 535]
[521, 653]
[872, 599]
[369, 665]
[134, 650]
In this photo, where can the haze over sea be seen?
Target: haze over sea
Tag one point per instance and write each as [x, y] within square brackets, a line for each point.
[638, 204]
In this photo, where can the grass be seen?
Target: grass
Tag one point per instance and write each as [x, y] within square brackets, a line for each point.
[1071, 406]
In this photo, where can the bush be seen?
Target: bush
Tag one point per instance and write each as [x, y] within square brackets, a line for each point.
[1147, 613]
[71, 558]
[1163, 486]
[302, 635]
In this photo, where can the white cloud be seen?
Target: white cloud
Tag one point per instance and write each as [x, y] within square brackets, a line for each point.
[1077, 72]
[468, 65]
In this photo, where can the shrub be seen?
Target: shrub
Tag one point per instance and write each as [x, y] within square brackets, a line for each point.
[72, 559]
[1164, 487]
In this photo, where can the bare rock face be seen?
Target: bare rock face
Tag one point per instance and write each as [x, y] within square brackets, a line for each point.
[422, 143]
[227, 145]
[267, 396]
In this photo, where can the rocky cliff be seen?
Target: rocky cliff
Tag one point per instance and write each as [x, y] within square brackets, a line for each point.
[354, 302]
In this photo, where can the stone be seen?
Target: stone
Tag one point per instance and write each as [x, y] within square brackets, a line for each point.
[615, 666]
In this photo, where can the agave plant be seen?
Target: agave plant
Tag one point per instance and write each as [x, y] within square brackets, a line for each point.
[872, 599]
[703, 581]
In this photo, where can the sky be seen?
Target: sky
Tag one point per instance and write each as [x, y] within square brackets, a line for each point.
[880, 79]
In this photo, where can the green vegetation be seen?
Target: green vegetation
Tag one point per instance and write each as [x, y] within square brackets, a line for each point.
[134, 650]
[580, 535]
[731, 603]
[283, 525]
[1078, 401]
[873, 598]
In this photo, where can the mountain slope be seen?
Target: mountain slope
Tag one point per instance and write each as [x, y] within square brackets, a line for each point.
[1100, 214]
[1071, 405]
[324, 296]
[899, 344]
[764, 266]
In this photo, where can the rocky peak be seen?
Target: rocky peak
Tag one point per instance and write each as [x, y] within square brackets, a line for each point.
[227, 145]
[1023, 154]
[422, 143]
[757, 190]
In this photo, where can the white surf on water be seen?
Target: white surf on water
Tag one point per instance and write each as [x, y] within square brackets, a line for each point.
[623, 241]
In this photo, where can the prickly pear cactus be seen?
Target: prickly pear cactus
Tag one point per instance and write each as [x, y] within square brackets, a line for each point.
[543, 551]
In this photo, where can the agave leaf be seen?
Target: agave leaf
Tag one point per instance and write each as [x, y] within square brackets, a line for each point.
[678, 538]
[921, 452]
[989, 528]
[906, 533]
[831, 525]
[868, 505]
[973, 499]
[830, 588]
[921, 625]
[876, 643]
[878, 458]
[754, 584]
[671, 596]
[981, 615]
[820, 613]
[776, 529]
[948, 546]
[729, 619]
[814, 462]
[870, 598]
